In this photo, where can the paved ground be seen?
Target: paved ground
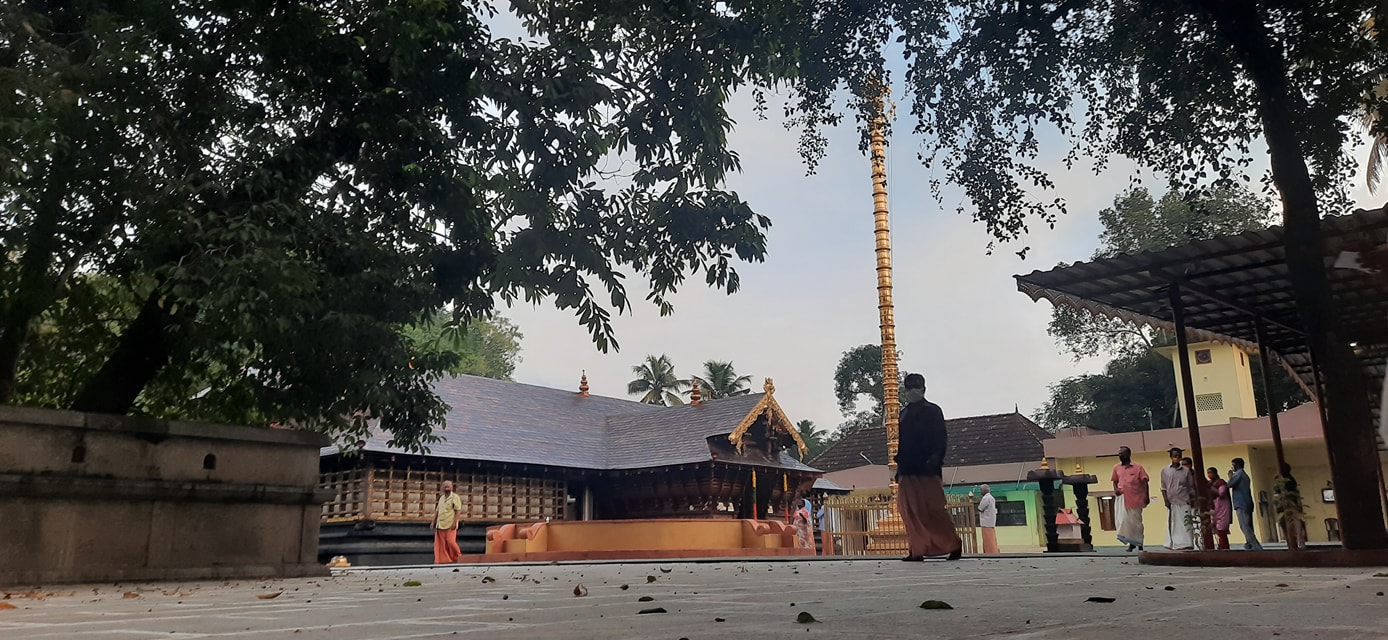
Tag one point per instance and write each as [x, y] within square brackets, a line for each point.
[1030, 597]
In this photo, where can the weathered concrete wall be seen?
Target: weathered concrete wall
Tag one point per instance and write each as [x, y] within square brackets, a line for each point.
[94, 498]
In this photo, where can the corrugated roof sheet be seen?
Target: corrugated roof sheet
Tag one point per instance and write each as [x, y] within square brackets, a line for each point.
[1225, 281]
[503, 421]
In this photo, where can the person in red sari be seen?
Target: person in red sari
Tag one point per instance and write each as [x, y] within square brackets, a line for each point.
[1222, 507]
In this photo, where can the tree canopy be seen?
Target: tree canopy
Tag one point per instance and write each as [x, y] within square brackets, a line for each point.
[720, 380]
[489, 348]
[656, 381]
[267, 194]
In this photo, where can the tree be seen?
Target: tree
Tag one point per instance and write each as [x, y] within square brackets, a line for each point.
[278, 190]
[816, 440]
[720, 380]
[489, 347]
[1136, 392]
[859, 375]
[656, 381]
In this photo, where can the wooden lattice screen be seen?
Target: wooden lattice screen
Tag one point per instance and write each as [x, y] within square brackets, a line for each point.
[410, 495]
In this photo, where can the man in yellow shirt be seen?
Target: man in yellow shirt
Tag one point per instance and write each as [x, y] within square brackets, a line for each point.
[445, 524]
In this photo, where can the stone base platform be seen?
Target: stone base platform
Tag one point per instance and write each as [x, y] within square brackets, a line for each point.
[1268, 558]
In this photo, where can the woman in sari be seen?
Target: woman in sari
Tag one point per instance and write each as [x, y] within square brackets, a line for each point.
[1287, 497]
[804, 529]
[1222, 507]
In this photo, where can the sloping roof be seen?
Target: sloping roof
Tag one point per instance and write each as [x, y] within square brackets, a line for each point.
[503, 421]
[673, 435]
[1225, 282]
[976, 440]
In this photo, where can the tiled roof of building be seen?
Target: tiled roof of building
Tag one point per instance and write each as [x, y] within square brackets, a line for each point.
[503, 421]
[977, 440]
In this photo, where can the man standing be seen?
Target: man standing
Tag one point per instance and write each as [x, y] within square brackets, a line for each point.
[1132, 486]
[1177, 489]
[920, 462]
[988, 520]
[445, 525]
[1241, 491]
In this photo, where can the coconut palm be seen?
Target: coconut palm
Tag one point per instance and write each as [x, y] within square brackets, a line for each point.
[720, 380]
[816, 439]
[655, 379]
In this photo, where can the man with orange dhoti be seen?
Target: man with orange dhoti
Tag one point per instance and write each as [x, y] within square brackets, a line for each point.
[988, 519]
[920, 458]
[445, 525]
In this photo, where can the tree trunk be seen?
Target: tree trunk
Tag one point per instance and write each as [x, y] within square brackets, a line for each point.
[144, 348]
[1349, 436]
[34, 288]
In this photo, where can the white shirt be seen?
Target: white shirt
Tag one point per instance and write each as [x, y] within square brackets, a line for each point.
[988, 511]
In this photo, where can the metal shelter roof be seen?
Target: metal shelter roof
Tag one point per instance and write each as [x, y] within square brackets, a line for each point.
[1227, 281]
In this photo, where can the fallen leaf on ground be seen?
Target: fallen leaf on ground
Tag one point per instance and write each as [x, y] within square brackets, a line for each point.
[1281, 584]
[1104, 599]
[805, 618]
[6, 605]
[935, 604]
[650, 579]
[718, 620]
[580, 591]
[654, 610]
[665, 570]
[1170, 588]
[269, 596]
[624, 587]
[486, 579]
[645, 599]
[413, 583]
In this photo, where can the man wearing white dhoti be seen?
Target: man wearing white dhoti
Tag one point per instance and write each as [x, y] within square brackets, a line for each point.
[1177, 489]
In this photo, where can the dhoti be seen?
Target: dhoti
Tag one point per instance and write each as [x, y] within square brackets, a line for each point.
[1179, 532]
[990, 540]
[1129, 523]
[929, 529]
[446, 546]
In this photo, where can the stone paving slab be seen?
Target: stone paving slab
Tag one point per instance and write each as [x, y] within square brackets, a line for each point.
[1031, 597]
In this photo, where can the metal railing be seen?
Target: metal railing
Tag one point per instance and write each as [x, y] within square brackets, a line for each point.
[867, 525]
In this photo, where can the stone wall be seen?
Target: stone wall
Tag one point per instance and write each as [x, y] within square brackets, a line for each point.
[97, 498]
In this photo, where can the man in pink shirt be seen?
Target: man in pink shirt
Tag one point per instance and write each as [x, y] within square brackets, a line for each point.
[1130, 484]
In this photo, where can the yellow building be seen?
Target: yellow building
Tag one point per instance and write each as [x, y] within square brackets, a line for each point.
[1229, 428]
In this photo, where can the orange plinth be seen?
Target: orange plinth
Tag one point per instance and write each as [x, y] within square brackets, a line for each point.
[638, 539]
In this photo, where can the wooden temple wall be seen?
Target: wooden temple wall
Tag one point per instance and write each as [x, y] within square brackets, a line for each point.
[409, 494]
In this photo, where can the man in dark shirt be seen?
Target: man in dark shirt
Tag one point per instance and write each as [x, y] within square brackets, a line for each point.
[920, 458]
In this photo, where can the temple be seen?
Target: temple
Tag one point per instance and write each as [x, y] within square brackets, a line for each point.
[521, 454]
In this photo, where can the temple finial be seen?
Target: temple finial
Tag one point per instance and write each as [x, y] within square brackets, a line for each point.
[583, 384]
[769, 387]
[695, 396]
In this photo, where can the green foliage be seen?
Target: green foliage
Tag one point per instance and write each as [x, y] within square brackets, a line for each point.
[1136, 392]
[281, 190]
[485, 347]
[720, 380]
[656, 381]
[816, 440]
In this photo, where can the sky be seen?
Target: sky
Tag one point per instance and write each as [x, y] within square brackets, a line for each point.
[960, 320]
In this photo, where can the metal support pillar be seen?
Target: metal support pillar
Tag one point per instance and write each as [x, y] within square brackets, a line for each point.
[1202, 489]
[1260, 328]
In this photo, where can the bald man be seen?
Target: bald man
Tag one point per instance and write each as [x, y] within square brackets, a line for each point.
[988, 519]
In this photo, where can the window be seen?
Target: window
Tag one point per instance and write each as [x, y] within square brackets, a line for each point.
[1107, 521]
[1209, 402]
[1012, 513]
